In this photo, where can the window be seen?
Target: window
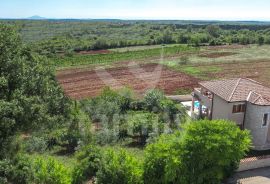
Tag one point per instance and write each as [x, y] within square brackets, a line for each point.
[265, 119]
[239, 108]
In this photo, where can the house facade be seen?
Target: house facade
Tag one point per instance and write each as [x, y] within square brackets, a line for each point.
[243, 101]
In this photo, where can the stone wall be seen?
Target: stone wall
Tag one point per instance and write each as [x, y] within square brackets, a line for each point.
[253, 122]
[254, 163]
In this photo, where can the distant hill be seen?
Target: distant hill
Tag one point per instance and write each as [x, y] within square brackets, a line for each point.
[36, 17]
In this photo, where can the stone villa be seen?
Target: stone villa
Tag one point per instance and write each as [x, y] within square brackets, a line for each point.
[242, 100]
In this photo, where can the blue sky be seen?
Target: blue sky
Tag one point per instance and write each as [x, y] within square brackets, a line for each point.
[138, 9]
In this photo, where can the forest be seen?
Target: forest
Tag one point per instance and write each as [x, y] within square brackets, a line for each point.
[51, 37]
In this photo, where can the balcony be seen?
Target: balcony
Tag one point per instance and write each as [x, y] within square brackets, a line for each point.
[203, 96]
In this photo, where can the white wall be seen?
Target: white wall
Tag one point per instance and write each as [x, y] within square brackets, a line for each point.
[223, 110]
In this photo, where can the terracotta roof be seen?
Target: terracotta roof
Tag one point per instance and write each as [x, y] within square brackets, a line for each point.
[238, 90]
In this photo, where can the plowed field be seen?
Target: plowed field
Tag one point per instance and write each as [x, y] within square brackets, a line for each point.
[79, 84]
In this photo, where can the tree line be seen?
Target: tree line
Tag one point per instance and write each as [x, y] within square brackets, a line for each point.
[65, 37]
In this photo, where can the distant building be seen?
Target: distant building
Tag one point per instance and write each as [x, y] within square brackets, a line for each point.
[243, 101]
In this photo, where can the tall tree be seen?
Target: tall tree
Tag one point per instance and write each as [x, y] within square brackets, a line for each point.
[30, 97]
[213, 30]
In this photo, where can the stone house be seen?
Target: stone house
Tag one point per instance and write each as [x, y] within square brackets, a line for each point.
[243, 101]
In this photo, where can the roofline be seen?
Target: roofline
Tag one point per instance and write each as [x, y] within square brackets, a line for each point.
[238, 81]
[230, 98]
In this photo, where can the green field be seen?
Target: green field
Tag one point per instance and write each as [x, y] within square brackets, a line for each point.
[78, 60]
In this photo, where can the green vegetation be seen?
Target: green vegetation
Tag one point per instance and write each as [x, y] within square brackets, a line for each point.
[119, 167]
[30, 97]
[209, 150]
[122, 117]
[200, 71]
[49, 170]
[66, 36]
[47, 138]
[77, 60]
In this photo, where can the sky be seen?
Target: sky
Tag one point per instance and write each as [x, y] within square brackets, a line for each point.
[139, 9]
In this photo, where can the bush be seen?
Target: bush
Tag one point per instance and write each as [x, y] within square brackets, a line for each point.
[152, 100]
[108, 105]
[171, 113]
[36, 144]
[142, 124]
[49, 170]
[205, 149]
[211, 149]
[119, 167]
[88, 163]
[5, 171]
[18, 170]
[107, 136]
[156, 170]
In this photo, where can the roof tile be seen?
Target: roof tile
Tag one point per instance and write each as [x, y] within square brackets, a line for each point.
[239, 89]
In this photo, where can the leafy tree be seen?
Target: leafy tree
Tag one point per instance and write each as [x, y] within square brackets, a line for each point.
[119, 167]
[49, 170]
[108, 105]
[89, 159]
[18, 170]
[167, 37]
[152, 100]
[260, 40]
[156, 169]
[30, 96]
[142, 124]
[209, 150]
[213, 30]
[171, 113]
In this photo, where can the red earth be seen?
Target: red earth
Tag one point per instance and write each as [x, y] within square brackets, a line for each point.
[80, 84]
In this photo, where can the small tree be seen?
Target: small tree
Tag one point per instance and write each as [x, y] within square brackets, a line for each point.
[213, 150]
[152, 100]
[49, 170]
[88, 162]
[118, 168]
[156, 169]
[213, 30]
[142, 124]
[260, 40]
[209, 150]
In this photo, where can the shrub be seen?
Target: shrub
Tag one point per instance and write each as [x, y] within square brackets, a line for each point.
[205, 149]
[49, 170]
[119, 167]
[211, 149]
[18, 170]
[152, 100]
[88, 162]
[107, 136]
[104, 107]
[5, 171]
[142, 124]
[171, 113]
[36, 144]
[156, 156]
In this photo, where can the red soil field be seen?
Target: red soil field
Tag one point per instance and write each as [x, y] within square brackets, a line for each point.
[80, 84]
